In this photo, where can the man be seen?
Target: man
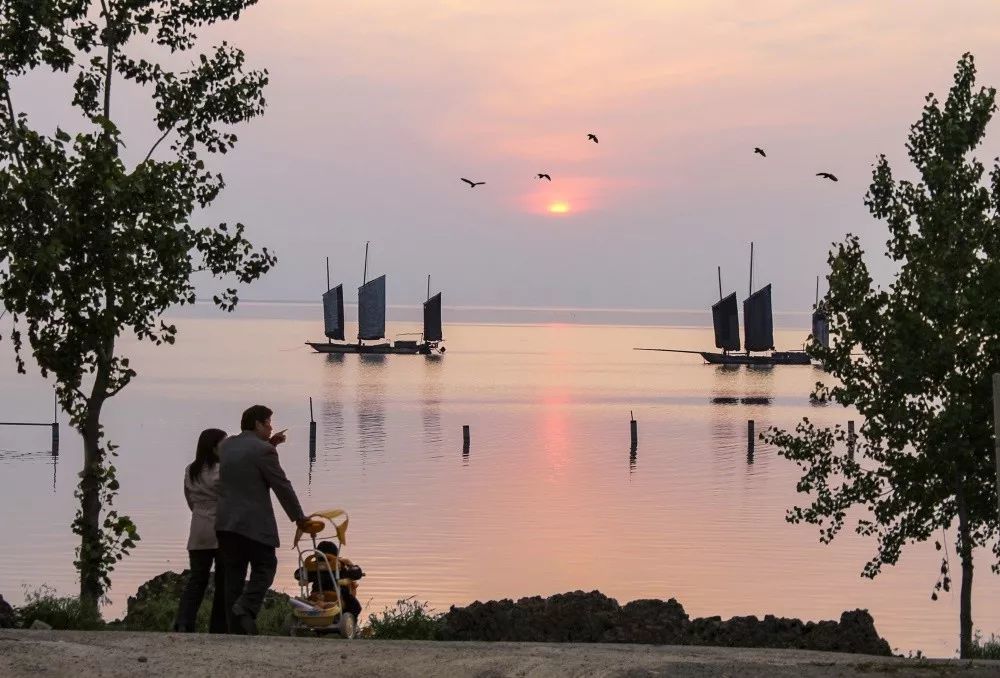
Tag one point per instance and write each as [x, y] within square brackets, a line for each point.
[247, 531]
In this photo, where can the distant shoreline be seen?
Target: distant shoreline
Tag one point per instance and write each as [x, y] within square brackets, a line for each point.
[290, 309]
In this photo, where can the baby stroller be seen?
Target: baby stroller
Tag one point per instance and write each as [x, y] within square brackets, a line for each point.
[327, 582]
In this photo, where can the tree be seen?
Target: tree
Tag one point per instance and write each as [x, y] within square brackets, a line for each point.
[93, 248]
[915, 359]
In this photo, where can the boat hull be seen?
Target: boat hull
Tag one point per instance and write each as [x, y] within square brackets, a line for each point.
[774, 358]
[399, 348]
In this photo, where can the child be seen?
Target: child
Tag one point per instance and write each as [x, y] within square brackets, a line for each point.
[348, 570]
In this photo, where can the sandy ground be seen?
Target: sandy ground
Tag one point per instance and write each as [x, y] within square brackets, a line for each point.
[109, 653]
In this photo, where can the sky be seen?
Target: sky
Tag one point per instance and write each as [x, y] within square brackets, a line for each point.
[376, 109]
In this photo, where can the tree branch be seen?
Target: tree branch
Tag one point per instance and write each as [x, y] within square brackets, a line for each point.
[12, 121]
[158, 141]
[108, 66]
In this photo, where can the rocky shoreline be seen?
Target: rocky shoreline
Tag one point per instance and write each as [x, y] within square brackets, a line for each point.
[580, 617]
[574, 617]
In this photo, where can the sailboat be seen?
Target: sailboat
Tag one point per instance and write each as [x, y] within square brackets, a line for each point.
[758, 331]
[820, 321]
[371, 321]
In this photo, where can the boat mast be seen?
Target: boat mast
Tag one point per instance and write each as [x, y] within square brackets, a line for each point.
[429, 285]
[816, 305]
[750, 293]
[364, 276]
[725, 351]
[328, 339]
[364, 280]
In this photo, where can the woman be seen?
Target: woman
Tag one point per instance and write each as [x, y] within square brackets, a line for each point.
[201, 480]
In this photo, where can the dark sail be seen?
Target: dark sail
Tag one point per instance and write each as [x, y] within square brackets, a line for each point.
[333, 312]
[821, 328]
[758, 325]
[432, 318]
[725, 318]
[371, 309]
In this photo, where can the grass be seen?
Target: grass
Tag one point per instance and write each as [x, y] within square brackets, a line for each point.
[60, 612]
[985, 648]
[409, 619]
[156, 613]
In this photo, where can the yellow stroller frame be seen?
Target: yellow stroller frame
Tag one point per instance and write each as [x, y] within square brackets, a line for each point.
[327, 615]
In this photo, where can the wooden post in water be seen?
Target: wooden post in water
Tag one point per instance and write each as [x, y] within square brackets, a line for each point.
[750, 440]
[996, 431]
[851, 438]
[634, 430]
[465, 439]
[312, 431]
[55, 425]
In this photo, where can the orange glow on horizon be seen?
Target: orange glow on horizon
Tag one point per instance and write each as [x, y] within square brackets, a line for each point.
[559, 207]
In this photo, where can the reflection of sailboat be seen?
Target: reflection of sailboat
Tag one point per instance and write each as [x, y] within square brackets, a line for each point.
[371, 321]
[758, 331]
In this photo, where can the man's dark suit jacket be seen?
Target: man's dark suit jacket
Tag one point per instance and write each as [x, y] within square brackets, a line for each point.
[248, 470]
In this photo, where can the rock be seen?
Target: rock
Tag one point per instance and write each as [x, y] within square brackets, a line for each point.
[858, 629]
[651, 621]
[154, 605]
[593, 617]
[8, 618]
[575, 617]
[39, 625]
[142, 660]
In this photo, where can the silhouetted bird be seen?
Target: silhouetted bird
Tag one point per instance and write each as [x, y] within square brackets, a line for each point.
[592, 137]
[759, 151]
[826, 175]
[545, 176]
[473, 184]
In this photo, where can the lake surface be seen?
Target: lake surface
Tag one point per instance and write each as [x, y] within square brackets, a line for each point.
[548, 499]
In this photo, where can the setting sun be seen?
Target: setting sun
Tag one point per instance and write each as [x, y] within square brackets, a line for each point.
[559, 207]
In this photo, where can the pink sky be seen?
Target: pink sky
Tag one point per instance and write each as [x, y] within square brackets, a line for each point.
[376, 109]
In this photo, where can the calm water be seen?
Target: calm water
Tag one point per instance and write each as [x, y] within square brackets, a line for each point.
[548, 499]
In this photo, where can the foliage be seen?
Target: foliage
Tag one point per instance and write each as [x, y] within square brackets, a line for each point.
[985, 648]
[409, 619]
[273, 618]
[60, 612]
[154, 607]
[94, 245]
[915, 359]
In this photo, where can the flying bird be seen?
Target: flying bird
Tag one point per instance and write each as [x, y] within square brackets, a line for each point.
[592, 137]
[827, 175]
[759, 151]
[545, 176]
[472, 184]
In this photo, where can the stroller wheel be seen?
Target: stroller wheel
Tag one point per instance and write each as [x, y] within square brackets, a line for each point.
[347, 626]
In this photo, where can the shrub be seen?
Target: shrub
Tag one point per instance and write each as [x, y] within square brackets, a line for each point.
[154, 607]
[60, 612]
[409, 619]
[273, 618]
[985, 649]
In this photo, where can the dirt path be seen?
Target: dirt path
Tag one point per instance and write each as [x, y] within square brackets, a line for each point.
[110, 654]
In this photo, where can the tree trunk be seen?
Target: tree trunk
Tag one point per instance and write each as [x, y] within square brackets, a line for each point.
[965, 552]
[90, 509]
[91, 549]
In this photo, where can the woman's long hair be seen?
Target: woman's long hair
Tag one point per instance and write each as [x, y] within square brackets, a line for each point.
[205, 457]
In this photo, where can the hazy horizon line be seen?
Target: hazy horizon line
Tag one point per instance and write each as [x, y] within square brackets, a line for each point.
[486, 307]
